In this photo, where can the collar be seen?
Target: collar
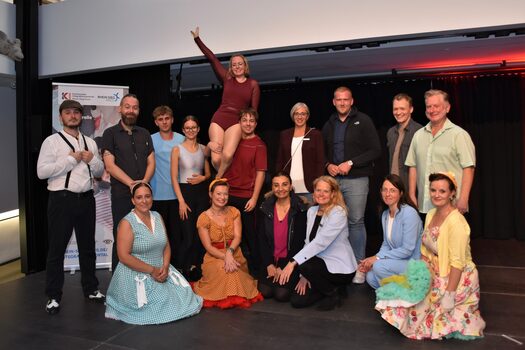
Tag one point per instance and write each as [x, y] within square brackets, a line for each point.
[448, 125]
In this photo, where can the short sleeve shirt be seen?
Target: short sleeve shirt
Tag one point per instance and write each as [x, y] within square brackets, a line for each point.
[451, 149]
[131, 152]
[249, 158]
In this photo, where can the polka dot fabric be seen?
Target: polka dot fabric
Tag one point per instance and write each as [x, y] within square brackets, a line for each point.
[166, 302]
[217, 287]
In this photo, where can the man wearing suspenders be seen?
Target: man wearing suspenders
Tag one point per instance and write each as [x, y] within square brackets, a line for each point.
[69, 161]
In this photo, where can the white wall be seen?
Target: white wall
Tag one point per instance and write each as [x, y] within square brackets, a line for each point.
[8, 26]
[79, 35]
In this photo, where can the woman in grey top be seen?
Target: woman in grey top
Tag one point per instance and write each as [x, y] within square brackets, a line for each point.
[190, 171]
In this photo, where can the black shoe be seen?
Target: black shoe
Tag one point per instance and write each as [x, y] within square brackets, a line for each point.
[96, 296]
[194, 274]
[52, 306]
[330, 302]
[343, 293]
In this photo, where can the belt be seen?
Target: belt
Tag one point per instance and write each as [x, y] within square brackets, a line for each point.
[220, 245]
[66, 193]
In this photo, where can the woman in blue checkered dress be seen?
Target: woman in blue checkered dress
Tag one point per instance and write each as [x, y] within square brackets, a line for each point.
[145, 288]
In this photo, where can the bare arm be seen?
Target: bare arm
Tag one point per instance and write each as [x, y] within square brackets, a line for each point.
[124, 247]
[259, 181]
[204, 235]
[183, 207]
[150, 168]
[412, 181]
[115, 171]
[466, 186]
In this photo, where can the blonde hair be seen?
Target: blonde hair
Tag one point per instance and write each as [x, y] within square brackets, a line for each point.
[338, 199]
[246, 65]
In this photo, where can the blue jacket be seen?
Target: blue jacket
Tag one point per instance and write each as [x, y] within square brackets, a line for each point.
[330, 243]
[405, 241]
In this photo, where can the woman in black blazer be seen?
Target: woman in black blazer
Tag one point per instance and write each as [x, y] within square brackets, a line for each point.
[281, 233]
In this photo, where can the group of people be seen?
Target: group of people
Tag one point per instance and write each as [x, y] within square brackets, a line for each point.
[303, 244]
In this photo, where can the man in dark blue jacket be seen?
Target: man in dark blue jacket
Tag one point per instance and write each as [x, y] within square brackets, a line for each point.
[351, 146]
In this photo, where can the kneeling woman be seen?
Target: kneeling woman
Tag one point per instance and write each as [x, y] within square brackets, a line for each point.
[225, 279]
[402, 230]
[450, 308]
[326, 262]
[145, 288]
[282, 229]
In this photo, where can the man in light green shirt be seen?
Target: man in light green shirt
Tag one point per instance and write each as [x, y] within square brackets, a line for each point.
[440, 146]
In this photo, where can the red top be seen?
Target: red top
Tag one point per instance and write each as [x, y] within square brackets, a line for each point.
[235, 96]
[249, 157]
[280, 236]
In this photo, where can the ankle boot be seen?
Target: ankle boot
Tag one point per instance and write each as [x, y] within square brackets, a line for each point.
[330, 301]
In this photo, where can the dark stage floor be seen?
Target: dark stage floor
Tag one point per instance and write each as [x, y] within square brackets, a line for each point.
[81, 325]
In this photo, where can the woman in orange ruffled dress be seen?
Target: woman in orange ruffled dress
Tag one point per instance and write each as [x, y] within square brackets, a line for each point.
[225, 281]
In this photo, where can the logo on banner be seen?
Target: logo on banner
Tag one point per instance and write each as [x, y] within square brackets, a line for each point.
[66, 96]
[117, 97]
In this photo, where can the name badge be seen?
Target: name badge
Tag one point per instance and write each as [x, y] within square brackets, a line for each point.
[306, 139]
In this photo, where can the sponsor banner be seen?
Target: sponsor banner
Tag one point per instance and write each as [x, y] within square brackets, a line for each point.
[100, 111]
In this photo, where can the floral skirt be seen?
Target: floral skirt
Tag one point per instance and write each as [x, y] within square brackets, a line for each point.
[427, 319]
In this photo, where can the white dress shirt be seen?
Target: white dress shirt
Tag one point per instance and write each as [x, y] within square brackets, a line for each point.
[54, 162]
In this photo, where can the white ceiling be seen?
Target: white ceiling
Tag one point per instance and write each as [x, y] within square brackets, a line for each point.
[406, 56]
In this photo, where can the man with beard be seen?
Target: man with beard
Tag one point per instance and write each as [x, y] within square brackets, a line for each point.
[69, 161]
[129, 158]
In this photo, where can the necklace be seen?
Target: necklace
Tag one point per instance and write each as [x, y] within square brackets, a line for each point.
[282, 210]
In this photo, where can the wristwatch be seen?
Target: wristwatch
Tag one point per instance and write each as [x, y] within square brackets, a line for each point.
[230, 249]
[350, 163]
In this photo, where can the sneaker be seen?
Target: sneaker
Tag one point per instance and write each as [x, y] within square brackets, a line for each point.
[52, 307]
[96, 296]
[359, 278]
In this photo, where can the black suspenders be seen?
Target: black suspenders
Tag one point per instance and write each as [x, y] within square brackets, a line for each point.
[73, 149]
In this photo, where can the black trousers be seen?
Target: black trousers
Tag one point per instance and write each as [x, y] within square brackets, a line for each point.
[190, 250]
[120, 207]
[169, 211]
[323, 282]
[67, 211]
[249, 245]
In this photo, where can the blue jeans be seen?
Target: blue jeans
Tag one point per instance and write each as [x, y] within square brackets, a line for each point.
[355, 193]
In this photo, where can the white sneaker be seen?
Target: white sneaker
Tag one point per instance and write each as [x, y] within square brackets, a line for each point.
[96, 296]
[359, 278]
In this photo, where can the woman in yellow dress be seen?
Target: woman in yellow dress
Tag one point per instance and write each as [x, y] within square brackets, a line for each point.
[450, 308]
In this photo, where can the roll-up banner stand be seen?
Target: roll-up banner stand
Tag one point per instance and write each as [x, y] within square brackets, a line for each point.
[100, 104]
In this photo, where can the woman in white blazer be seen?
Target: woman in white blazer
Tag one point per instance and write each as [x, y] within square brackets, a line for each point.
[326, 262]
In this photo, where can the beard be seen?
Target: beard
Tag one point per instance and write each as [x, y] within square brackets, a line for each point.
[129, 119]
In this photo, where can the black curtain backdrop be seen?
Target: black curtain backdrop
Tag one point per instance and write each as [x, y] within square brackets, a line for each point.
[491, 109]
[489, 106]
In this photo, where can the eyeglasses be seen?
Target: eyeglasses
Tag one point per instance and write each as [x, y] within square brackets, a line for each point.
[389, 191]
[191, 128]
[301, 114]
